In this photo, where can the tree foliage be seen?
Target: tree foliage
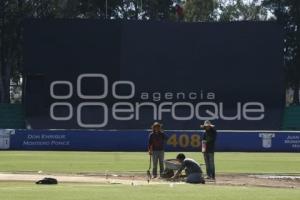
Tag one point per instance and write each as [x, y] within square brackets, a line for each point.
[199, 10]
[239, 10]
[13, 12]
[287, 13]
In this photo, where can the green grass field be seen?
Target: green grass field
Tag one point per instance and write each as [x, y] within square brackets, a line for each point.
[28, 191]
[99, 162]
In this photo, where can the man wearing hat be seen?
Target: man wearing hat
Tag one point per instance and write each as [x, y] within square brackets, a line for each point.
[208, 148]
[156, 148]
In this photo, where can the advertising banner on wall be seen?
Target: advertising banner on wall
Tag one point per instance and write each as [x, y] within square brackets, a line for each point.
[137, 140]
[93, 74]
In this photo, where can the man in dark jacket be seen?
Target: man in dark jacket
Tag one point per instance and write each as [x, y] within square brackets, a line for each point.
[208, 148]
[156, 148]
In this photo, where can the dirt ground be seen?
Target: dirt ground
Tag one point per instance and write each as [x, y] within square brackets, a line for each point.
[141, 179]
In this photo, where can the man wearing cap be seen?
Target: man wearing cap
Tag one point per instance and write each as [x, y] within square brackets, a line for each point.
[156, 147]
[208, 148]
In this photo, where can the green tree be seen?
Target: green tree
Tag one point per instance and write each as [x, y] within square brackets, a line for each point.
[238, 10]
[157, 9]
[287, 13]
[199, 10]
[11, 14]
[96, 9]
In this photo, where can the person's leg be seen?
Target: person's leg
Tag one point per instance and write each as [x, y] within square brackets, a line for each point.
[155, 162]
[195, 178]
[212, 165]
[161, 162]
[206, 159]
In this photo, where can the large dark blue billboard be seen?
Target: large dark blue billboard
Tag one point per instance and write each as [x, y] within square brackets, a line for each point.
[126, 74]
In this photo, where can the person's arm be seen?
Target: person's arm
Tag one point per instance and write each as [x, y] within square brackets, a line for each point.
[203, 143]
[179, 171]
[204, 136]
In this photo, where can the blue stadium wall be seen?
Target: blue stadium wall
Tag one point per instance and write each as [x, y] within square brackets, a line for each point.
[136, 140]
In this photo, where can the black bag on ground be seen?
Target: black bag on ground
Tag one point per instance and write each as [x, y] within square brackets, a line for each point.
[47, 181]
